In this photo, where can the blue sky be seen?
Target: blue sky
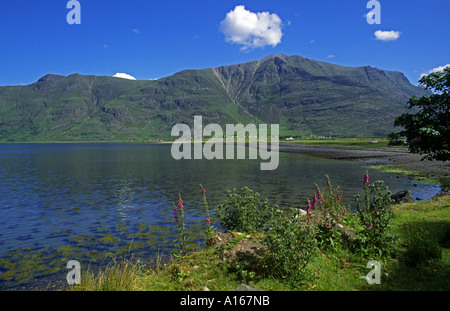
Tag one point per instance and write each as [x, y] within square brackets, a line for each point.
[150, 39]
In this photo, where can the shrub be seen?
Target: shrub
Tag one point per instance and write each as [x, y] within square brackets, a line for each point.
[326, 212]
[246, 212]
[291, 246]
[375, 214]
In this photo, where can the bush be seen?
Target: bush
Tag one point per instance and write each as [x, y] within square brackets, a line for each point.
[291, 246]
[326, 213]
[375, 214]
[246, 212]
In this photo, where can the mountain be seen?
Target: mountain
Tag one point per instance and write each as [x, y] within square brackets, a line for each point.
[305, 96]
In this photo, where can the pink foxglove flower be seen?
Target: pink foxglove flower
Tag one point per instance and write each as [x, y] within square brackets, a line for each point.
[319, 195]
[365, 179]
[314, 201]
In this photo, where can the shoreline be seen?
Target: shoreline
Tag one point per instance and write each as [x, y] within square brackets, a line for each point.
[398, 160]
[380, 156]
[401, 160]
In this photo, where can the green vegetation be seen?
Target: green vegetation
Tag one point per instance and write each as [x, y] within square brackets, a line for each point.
[285, 253]
[375, 214]
[443, 180]
[429, 129]
[305, 97]
[290, 249]
[344, 142]
[246, 212]
[117, 276]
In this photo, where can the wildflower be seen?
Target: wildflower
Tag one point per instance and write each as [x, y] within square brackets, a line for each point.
[314, 201]
[180, 202]
[339, 218]
[343, 263]
[370, 226]
[309, 207]
[365, 179]
[319, 195]
[329, 225]
[175, 212]
[203, 190]
[208, 221]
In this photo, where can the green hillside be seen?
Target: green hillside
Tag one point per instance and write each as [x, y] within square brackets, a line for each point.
[306, 97]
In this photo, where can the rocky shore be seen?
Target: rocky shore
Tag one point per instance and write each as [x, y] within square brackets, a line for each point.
[393, 157]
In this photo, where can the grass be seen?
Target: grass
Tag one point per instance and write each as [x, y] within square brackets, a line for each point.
[442, 180]
[337, 269]
[344, 142]
[433, 274]
[117, 276]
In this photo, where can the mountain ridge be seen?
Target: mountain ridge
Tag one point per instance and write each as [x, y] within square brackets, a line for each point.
[305, 96]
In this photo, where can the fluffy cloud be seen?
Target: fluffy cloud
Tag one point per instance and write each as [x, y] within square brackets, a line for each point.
[437, 69]
[251, 30]
[124, 76]
[387, 35]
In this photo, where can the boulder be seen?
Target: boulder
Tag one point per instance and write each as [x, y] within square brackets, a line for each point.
[403, 196]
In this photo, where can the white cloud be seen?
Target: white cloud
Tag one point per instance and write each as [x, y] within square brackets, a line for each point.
[251, 30]
[136, 31]
[330, 56]
[436, 69]
[387, 35]
[124, 76]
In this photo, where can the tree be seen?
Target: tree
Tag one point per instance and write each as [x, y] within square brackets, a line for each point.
[394, 139]
[428, 130]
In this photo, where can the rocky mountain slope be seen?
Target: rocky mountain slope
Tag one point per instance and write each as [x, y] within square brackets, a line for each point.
[305, 96]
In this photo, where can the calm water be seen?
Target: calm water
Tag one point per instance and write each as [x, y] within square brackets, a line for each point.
[89, 201]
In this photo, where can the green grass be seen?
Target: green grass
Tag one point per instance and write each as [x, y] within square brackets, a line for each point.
[333, 270]
[442, 180]
[344, 142]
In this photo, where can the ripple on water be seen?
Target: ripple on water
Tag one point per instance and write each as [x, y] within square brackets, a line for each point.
[91, 202]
